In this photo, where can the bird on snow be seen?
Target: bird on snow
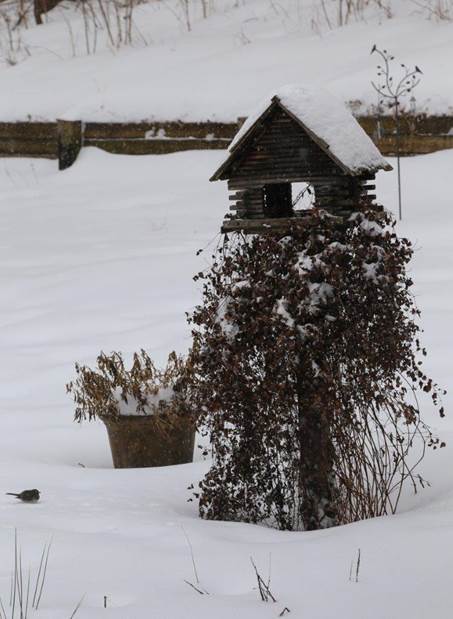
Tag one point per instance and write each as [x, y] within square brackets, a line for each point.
[28, 496]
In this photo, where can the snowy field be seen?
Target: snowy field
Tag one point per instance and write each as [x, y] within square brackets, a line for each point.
[218, 70]
[101, 257]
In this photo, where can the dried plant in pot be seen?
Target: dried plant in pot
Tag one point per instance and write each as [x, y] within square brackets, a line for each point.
[145, 409]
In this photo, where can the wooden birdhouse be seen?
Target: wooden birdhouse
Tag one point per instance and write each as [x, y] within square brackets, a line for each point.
[297, 141]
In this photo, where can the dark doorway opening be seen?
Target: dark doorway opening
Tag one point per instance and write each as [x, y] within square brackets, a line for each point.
[277, 200]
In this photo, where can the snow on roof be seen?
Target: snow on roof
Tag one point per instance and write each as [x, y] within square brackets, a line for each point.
[329, 120]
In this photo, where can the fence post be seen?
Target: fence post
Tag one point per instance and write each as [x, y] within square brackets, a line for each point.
[70, 141]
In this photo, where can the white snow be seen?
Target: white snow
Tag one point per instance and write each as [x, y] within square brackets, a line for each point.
[328, 119]
[222, 67]
[371, 271]
[228, 328]
[100, 257]
[372, 228]
[281, 309]
[130, 406]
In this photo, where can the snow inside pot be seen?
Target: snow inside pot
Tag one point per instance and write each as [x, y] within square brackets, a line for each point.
[158, 436]
[145, 410]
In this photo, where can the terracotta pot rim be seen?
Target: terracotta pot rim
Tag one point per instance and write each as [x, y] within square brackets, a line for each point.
[137, 418]
[125, 417]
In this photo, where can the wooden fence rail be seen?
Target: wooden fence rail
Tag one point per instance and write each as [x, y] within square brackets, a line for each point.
[63, 139]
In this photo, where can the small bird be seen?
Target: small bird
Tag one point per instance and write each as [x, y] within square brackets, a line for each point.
[28, 496]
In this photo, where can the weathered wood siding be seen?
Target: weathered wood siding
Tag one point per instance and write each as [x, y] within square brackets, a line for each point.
[28, 139]
[157, 138]
[166, 130]
[281, 151]
[248, 202]
[49, 140]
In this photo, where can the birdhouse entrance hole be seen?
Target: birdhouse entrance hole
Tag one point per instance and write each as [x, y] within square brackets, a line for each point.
[286, 199]
[277, 200]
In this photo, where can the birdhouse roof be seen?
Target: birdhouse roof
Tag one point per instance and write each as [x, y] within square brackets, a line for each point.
[325, 119]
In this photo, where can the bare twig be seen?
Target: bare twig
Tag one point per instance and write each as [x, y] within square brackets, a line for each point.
[354, 569]
[195, 571]
[357, 567]
[196, 588]
[79, 604]
[263, 587]
[44, 573]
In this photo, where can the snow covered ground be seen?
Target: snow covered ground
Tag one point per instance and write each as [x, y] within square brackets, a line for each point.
[101, 257]
[222, 66]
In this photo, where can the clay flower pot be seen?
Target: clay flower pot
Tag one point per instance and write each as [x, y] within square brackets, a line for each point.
[139, 441]
[146, 410]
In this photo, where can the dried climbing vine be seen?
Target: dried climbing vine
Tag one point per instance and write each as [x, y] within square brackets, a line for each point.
[307, 367]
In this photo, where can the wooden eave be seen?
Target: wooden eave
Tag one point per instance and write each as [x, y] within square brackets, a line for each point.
[240, 146]
[245, 138]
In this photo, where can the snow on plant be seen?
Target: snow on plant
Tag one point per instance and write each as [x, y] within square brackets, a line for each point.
[306, 377]
[112, 390]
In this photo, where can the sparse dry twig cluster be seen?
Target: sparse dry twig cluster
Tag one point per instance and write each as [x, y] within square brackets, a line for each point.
[440, 10]
[26, 588]
[112, 23]
[114, 17]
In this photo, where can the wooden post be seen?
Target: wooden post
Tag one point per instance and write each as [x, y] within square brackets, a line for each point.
[70, 141]
[319, 508]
